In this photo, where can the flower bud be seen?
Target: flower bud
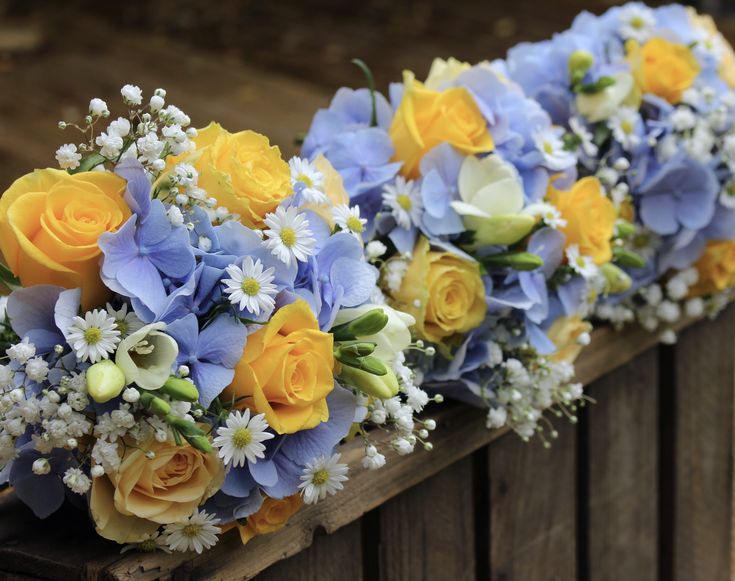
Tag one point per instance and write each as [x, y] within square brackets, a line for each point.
[580, 61]
[155, 404]
[380, 386]
[180, 389]
[355, 350]
[41, 467]
[514, 260]
[201, 443]
[616, 279]
[624, 229]
[369, 323]
[626, 257]
[105, 380]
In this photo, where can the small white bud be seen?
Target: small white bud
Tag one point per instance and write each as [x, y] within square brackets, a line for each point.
[96, 471]
[131, 395]
[41, 467]
[183, 371]
[430, 424]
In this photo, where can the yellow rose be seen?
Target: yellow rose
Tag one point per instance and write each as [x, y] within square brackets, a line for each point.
[443, 292]
[662, 68]
[717, 41]
[49, 225]
[242, 171]
[444, 72]
[286, 371]
[272, 516]
[426, 118]
[716, 268]
[565, 333]
[590, 217]
[333, 186]
[146, 493]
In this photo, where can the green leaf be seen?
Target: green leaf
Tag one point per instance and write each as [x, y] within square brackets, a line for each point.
[371, 86]
[8, 278]
[88, 163]
[599, 85]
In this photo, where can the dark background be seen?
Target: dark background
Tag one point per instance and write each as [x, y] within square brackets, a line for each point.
[260, 64]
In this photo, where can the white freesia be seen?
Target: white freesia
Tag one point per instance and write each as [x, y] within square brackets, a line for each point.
[146, 356]
[392, 339]
[601, 105]
[492, 197]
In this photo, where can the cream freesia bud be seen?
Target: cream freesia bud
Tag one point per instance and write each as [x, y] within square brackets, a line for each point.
[580, 61]
[381, 386]
[628, 257]
[616, 279]
[367, 323]
[180, 389]
[105, 380]
[514, 260]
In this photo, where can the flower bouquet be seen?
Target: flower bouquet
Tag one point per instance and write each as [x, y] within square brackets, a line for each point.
[192, 330]
[646, 98]
[481, 230]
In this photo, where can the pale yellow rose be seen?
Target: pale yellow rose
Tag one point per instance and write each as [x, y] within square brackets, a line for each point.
[50, 222]
[145, 493]
[334, 188]
[272, 516]
[426, 118]
[565, 333]
[662, 68]
[242, 171]
[716, 268]
[286, 371]
[443, 72]
[443, 292]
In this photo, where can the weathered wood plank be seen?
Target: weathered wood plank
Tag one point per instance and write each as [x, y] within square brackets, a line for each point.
[427, 532]
[622, 475]
[704, 383]
[533, 516]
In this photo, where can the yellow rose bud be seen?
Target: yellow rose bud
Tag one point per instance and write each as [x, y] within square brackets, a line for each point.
[716, 268]
[105, 380]
[380, 386]
[426, 118]
[49, 225]
[145, 493]
[662, 68]
[272, 516]
[286, 371]
[242, 171]
[443, 292]
[590, 218]
[567, 334]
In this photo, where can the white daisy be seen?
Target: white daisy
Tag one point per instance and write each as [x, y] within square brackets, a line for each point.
[348, 219]
[547, 212]
[250, 286]
[625, 125]
[580, 263]
[149, 542]
[289, 236]
[93, 337]
[242, 438]
[636, 22]
[727, 195]
[549, 142]
[404, 201]
[585, 136]
[307, 180]
[196, 533]
[127, 322]
[321, 477]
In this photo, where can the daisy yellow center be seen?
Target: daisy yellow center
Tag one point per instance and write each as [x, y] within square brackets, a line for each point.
[404, 201]
[304, 179]
[320, 477]
[191, 530]
[636, 22]
[627, 127]
[242, 437]
[354, 224]
[92, 335]
[288, 237]
[122, 326]
[580, 262]
[250, 287]
[548, 148]
[147, 545]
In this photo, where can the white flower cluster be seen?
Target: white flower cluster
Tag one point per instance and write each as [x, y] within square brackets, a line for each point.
[148, 132]
[397, 414]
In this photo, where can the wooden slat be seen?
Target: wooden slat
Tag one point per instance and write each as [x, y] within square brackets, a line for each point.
[427, 533]
[622, 475]
[533, 516]
[705, 373]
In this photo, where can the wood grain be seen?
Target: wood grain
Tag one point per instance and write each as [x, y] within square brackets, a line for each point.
[427, 533]
[533, 519]
[705, 373]
[622, 475]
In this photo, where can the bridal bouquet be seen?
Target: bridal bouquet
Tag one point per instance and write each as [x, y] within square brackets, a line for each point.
[192, 329]
[482, 232]
[646, 97]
